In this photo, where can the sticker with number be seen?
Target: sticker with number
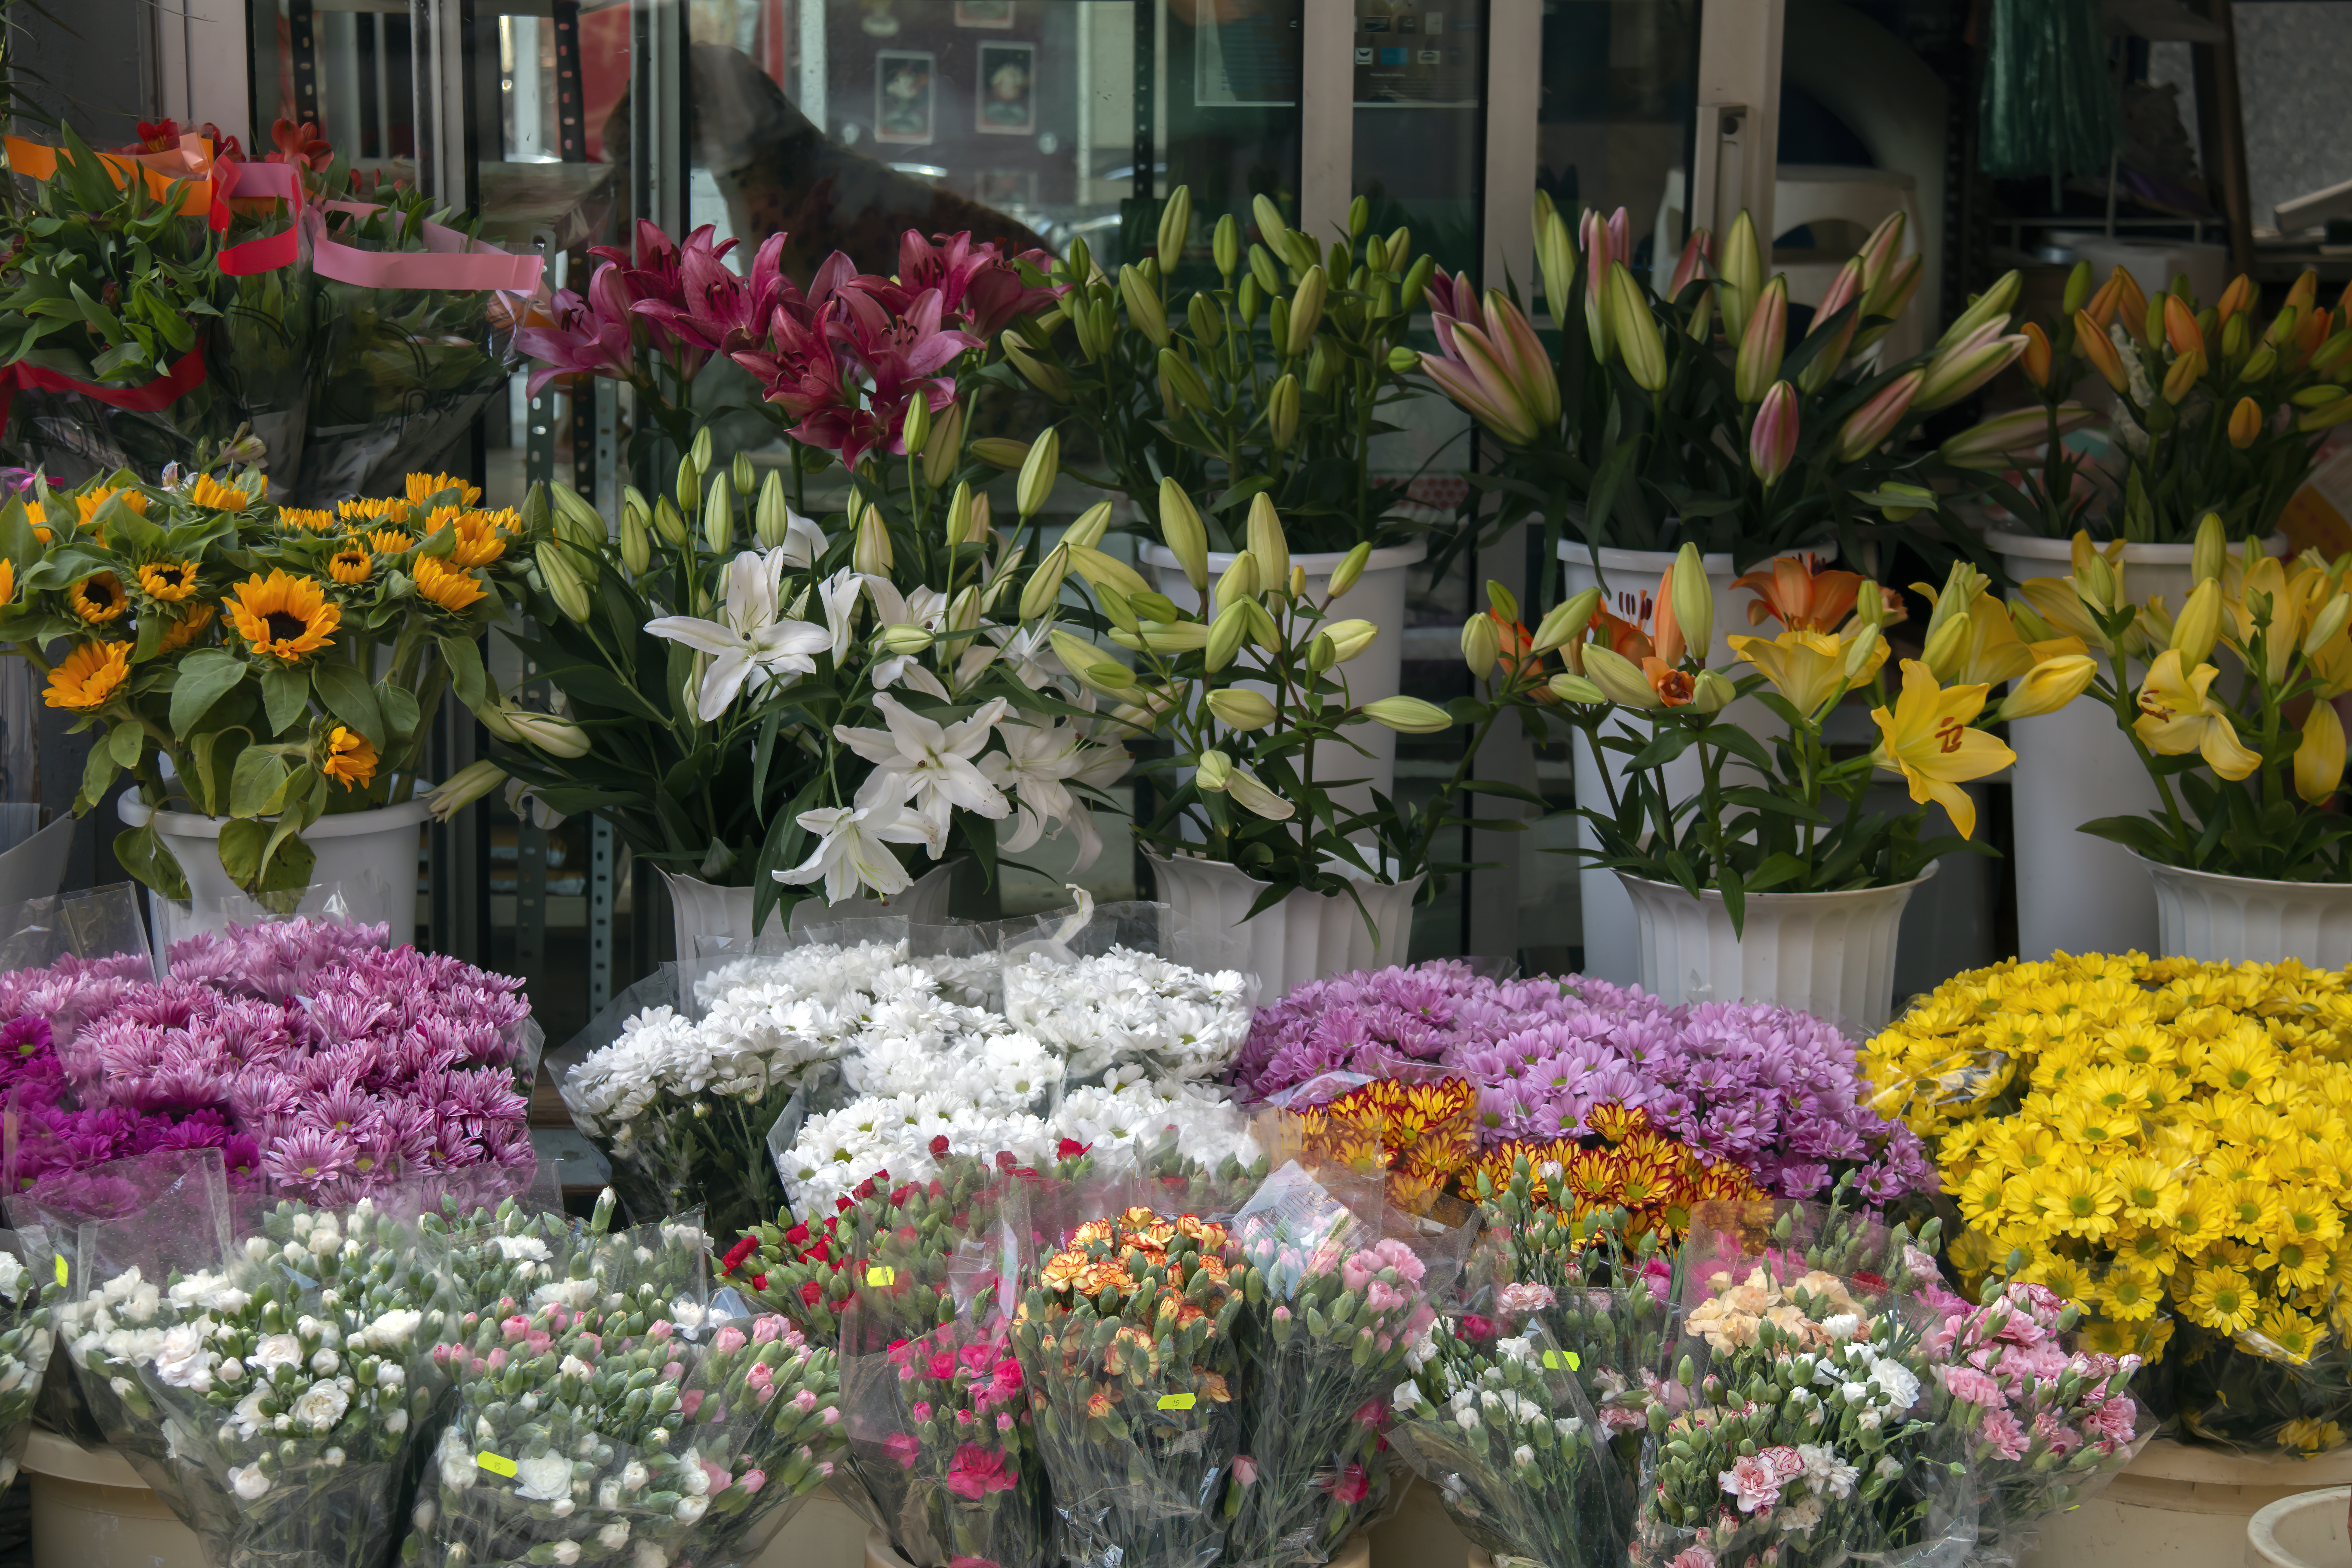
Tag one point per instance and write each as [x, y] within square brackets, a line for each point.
[881, 1279]
[1176, 1402]
[497, 1463]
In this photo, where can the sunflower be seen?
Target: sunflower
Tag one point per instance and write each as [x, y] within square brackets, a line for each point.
[38, 515]
[349, 565]
[7, 581]
[454, 591]
[99, 598]
[358, 514]
[88, 505]
[348, 758]
[186, 629]
[85, 679]
[169, 581]
[480, 537]
[389, 542]
[422, 488]
[209, 491]
[309, 519]
[284, 616]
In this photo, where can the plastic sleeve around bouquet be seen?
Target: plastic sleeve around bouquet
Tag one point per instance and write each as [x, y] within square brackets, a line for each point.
[98, 929]
[1130, 991]
[30, 1296]
[1126, 1342]
[1333, 1307]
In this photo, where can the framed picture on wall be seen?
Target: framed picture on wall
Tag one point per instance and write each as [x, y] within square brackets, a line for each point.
[1007, 89]
[983, 13]
[903, 97]
[1005, 189]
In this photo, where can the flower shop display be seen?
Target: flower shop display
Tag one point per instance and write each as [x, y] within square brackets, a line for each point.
[268, 665]
[322, 1065]
[1126, 993]
[2151, 1139]
[1766, 1089]
[2246, 764]
[28, 1303]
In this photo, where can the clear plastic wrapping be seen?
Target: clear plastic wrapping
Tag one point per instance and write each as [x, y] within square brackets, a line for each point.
[1130, 991]
[30, 1296]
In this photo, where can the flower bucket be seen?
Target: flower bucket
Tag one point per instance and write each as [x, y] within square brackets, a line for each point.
[2236, 920]
[2183, 1506]
[90, 1509]
[1829, 954]
[704, 908]
[1629, 581]
[1305, 937]
[367, 858]
[1379, 598]
[2076, 893]
[2305, 1531]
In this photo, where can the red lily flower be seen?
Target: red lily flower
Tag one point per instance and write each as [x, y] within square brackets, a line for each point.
[719, 311]
[584, 337]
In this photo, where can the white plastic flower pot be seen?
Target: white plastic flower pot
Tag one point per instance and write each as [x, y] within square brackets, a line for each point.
[1829, 954]
[704, 908]
[2236, 920]
[2305, 1531]
[1305, 937]
[1379, 598]
[1629, 582]
[367, 858]
[2184, 1506]
[2077, 893]
[91, 1509]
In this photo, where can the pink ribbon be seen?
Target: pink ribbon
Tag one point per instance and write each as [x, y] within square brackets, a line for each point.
[449, 261]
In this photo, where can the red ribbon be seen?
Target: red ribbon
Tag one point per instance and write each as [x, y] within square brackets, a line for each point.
[182, 378]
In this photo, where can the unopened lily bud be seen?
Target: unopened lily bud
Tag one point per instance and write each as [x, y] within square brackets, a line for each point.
[1305, 313]
[2329, 625]
[2212, 552]
[1267, 544]
[1092, 667]
[871, 553]
[1577, 688]
[1502, 601]
[1047, 379]
[1351, 637]
[905, 637]
[1087, 531]
[1207, 321]
[915, 429]
[1225, 245]
[1282, 412]
[1240, 581]
[1321, 652]
[1249, 300]
[1297, 582]
[1175, 227]
[1693, 602]
[945, 447]
[2049, 686]
[2185, 373]
[1213, 770]
[1241, 710]
[2199, 623]
[564, 584]
[1185, 381]
[1000, 453]
[468, 784]
[1712, 691]
[669, 521]
[1567, 620]
[771, 515]
[1946, 643]
[556, 737]
[718, 515]
[1619, 677]
[1482, 646]
[636, 544]
[2078, 288]
[1225, 636]
[745, 477]
[2319, 759]
[1039, 470]
[688, 488]
[1144, 311]
[700, 449]
[1045, 589]
[1409, 716]
[1350, 567]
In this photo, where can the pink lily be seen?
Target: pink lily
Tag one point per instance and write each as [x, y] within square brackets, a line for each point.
[1874, 423]
[977, 282]
[585, 337]
[1697, 258]
[716, 311]
[1496, 368]
[658, 273]
[1456, 297]
[1964, 367]
[1844, 290]
[1773, 440]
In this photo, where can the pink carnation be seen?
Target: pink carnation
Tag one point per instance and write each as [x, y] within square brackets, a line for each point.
[2008, 1438]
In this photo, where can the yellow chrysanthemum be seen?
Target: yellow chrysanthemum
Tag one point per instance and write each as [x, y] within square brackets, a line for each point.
[2146, 1187]
[2252, 1210]
[350, 759]
[99, 598]
[389, 542]
[210, 492]
[186, 629]
[349, 565]
[2222, 1298]
[87, 679]
[282, 616]
[2079, 1201]
[168, 581]
[2311, 1434]
[454, 591]
[2288, 1336]
[2300, 1264]
[2243, 1062]
[422, 488]
[2131, 1294]
[309, 520]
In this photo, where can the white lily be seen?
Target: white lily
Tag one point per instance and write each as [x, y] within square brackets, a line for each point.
[928, 765]
[1035, 767]
[840, 593]
[1030, 657]
[925, 607]
[751, 644]
[852, 850]
[803, 541]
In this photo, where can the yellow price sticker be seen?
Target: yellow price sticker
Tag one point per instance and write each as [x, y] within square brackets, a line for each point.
[61, 1267]
[1555, 1360]
[497, 1463]
[881, 1279]
[1176, 1402]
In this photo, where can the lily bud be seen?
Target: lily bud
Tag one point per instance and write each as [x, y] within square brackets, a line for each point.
[2035, 361]
[1266, 543]
[771, 516]
[669, 521]
[1045, 377]
[1225, 245]
[1844, 290]
[1691, 264]
[564, 584]
[2282, 327]
[2210, 553]
[1482, 645]
[2329, 625]
[1241, 710]
[2092, 343]
[1577, 688]
[718, 515]
[688, 488]
[1044, 587]
[1213, 770]
[1742, 271]
[2245, 423]
[1322, 653]
[959, 523]
[1175, 227]
[1185, 381]
[1000, 453]
[941, 452]
[1039, 470]
[2078, 288]
[1087, 531]
[1889, 300]
[1712, 691]
[1266, 272]
[2186, 372]
[871, 553]
[1239, 582]
[1306, 311]
[1761, 346]
[1635, 331]
[1694, 600]
[1144, 311]
[2049, 686]
[1225, 636]
[1946, 644]
[468, 784]
[2322, 419]
[1349, 638]
[1997, 441]
[556, 737]
[1619, 677]
[2180, 326]
[1960, 369]
[636, 544]
[1874, 423]
[2199, 623]
[1994, 305]
[2319, 760]
[1181, 530]
[915, 428]
[1270, 227]
[700, 449]
[1861, 650]
[1282, 412]
[1409, 716]
[1555, 259]
[1773, 440]
[1567, 622]
[905, 637]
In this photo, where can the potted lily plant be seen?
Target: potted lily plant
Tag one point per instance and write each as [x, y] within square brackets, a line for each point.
[2229, 706]
[1247, 682]
[1773, 881]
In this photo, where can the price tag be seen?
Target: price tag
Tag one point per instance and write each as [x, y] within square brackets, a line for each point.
[881, 1279]
[1556, 1360]
[497, 1463]
[1176, 1402]
[61, 1267]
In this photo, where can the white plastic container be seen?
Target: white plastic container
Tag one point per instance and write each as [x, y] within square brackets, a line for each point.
[704, 908]
[1829, 954]
[1305, 937]
[2305, 1531]
[2231, 920]
[367, 858]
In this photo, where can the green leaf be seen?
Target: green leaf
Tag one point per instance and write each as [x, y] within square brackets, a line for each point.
[125, 741]
[285, 697]
[466, 677]
[97, 775]
[205, 676]
[401, 715]
[350, 698]
[242, 842]
[142, 852]
[258, 786]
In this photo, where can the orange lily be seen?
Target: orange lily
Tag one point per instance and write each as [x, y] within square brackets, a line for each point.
[1801, 600]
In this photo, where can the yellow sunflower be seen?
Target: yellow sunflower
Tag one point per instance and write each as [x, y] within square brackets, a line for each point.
[86, 679]
[99, 598]
[169, 581]
[389, 542]
[209, 491]
[349, 565]
[38, 515]
[284, 616]
[186, 629]
[7, 581]
[422, 488]
[358, 514]
[481, 538]
[88, 505]
[454, 591]
[309, 519]
[348, 758]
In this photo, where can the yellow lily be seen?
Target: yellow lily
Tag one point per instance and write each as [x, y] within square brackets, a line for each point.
[2057, 601]
[1806, 667]
[1926, 739]
[2050, 685]
[2176, 718]
[2319, 760]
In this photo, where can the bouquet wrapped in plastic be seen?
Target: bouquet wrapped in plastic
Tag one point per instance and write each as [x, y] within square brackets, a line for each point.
[29, 1296]
[1498, 1423]
[1130, 991]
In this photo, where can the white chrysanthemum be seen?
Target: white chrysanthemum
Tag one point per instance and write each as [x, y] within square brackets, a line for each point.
[1125, 1010]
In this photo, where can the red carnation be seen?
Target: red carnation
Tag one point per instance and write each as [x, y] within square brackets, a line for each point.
[1070, 1149]
[798, 1235]
[739, 1251]
[758, 1281]
[940, 1147]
